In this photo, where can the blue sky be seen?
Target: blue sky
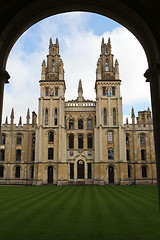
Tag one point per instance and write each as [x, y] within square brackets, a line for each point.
[79, 35]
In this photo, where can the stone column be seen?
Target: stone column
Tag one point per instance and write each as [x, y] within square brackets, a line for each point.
[4, 76]
[153, 76]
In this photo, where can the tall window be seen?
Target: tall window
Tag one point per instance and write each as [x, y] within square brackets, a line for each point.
[127, 139]
[56, 91]
[50, 137]
[105, 116]
[89, 124]
[143, 155]
[80, 141]
[89, 170]
[110, 136]
[142, 139]
[47, 91]
[127, 155]
[129, 171]
[32, 172]
[18, 155]
[144, 171]
[114, 117]
[71, 141]
[19, 139]
[89, 141]
[80, 124]
[33, 139]
[33, 155]
[110, 153]
[71, 124]
[1, 171]
[17, 175]
[104, 91]
[71, 170]
[3, 139]
[53, 66]
[46, 117]
[50, 153]
[107, 66]
[2, 155]
[55, 117]
[113, 91]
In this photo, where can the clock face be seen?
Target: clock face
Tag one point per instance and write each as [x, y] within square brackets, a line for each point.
[51, 92]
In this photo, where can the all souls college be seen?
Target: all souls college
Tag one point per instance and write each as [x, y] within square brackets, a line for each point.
[78, 141]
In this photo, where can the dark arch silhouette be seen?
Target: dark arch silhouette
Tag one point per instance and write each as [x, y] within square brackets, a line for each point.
[17, 16]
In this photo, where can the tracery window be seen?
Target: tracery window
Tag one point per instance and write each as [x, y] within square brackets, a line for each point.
[89, 124]
[105, 116]
[114, 117]
[50, 137]
[71, 141]
[19, 139]
[46, 117]
[142, 139]
[89, 141]
[110, 136]
[80, 124]
[80, 141]
[71, 124]
[3, 139]
[50, 153]
[110, 153]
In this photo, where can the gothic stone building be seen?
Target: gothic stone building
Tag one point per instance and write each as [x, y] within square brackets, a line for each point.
[78, 141]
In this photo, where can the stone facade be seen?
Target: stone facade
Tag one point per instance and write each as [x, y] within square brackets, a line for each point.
[78, 141]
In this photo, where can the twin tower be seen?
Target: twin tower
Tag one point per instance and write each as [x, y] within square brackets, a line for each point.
[79, 141]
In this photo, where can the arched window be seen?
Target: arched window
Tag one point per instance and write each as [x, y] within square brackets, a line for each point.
[19, 139]
[80, 141]
[55, 116]
[80, 124]
[56, 91]
[110, 153]
[104, 91]
[105, 116]
[129, 171]
[3, 138]
[89, 141]
[53, 66]
[18, 155]
[33, 139]
[32, 172]
[127, 155]
[33, 155]
[127, 139]
[113, 91]
[107, 66]
[110, 136]
[50, 137]
[2, 155]
[143, 155]
[142, 139]
[71, 141]
[89, 124]
[17, 175]
[1, 171]
[46, 117]
[71, 124]
[114, 117]
[47, 91]
[144, 171]
[50, 153]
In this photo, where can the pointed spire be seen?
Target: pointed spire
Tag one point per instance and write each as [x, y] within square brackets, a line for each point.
[12, 116]
[50, 42]
[57, 42]
[20, 121]
[102, 40]
[28, 116]
[133, 116]
[80, 91]
[109, 41]
[6, 122]
[116, 69]
[127, 120]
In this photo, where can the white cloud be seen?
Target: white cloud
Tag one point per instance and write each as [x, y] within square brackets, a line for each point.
[80, 50]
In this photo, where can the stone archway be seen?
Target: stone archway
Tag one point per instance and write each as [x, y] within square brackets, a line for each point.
[25, 14]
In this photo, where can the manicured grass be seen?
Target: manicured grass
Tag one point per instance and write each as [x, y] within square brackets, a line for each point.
[79, 212]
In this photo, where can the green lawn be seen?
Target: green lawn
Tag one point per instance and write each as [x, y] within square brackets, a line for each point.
[79, 212]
